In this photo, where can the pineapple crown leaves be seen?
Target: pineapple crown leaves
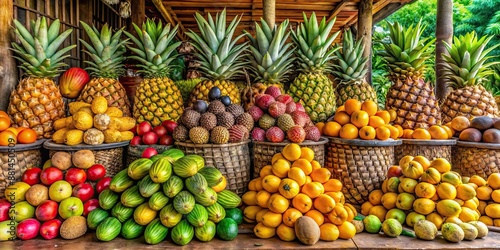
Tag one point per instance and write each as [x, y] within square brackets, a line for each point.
[271, 57]
[350, 64]
[314, 44]
[38, 51]
[466, 64]
[219, 56]
[106, 51]
[156, 48]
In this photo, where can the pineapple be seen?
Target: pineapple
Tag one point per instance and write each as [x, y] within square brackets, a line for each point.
[106, 51]
[157, 98]
[219, 56]
[312, 87]
[187, 86]
[410, 96]
[36, 102]
[350, 71]
[466, 71]
[271, 58]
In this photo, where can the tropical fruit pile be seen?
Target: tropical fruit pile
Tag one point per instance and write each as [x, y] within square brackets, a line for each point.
[167, 192]
[434, 132]
[93, 124]
[55, 200]
[292, 187]
[11, 135]
[478, 129]
[277, 117]
[145, 134]
[488, 194]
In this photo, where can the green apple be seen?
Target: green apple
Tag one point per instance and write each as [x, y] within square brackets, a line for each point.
[397, 214]
[71, 206]
[21, 211]
[404, 201]
[8, 230]
[60, 190]
[413, 217]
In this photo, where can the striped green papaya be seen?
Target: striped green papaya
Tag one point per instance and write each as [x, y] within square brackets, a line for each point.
[161, 170]
[157, 201]
[147, 187]
[198, 216]
[155, 232]
[121, 212]
[131, 230]
[182, 233]
[212, 175]
[121, 181]
[196, 184]
[108, 198]
[228, 199]
[132, 197]
[108, 229]
[172, 186]
[139, 168]
[169, 216]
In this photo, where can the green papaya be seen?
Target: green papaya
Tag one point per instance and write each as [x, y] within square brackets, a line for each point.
[172, 186]
[131, 230]
[157, 201]
[228, 199]
[207, 198]
[182, 233]
[212, 175]
[154, 158]
[216, 212]
[188, 165]
[108, 229]
[161, 170]
[121, 181]
[121, 212]
[206, 232]
[169, 216]
[184, 202]
[147, 187]
[95, 217]
[196, 184]
[143, 215]
[155, 232]
[108, 198]
[132, 197]
[139, 168]
[198, 216]
[174, 154]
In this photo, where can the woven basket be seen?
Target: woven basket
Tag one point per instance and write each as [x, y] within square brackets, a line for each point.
[360, 165]
[263, 152]
[232, 159]
[15, 160]
[475, 158]
[135, 152]
[431, 149]
[109, 155]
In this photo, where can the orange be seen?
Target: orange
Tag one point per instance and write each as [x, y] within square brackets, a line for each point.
[278, 204]
[276, 157]
[291, 151]
[332, 129]
[383, 133]
[393, 114]
[316, 216]
[297, 175]
[347, 230]
[280, 168]
[324, 203]
[271, 219]
[249, 198]
[352, 105]
[321, 175]
[408, 133]
[7, 137]
[378, 211]
[438, 132]
[388, 200]
[340, 108]
[494, 180]
[394, 132]
[332, 185]
[328, 232]
[3, 114]
[460, 123]
[385, 115]
[360, 118]
[365, 208]
[370, 107]
[338, 196]
[4, 123]
[302, 202]
[265, 171]
[495, 195]
[303, 164]
[307, 153]
[342, 117]
[338, 215]
[308, 179]
[290, 216]
[376, 121]
[315, 165]
[313, 189]
[271, 183]
[14, 130]
[375, 197]
[349, 131]
[400, 129]
[449, 131]
[285, 233]
[367, 133]
[289, 188]
[320, 126]
[262, 198]
[421, 133]
[251, 185]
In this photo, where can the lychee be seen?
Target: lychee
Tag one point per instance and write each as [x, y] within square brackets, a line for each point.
[273, 91]
[296, 134]
[312, 133]
[258, 134]
[275, 134]
[276, 109]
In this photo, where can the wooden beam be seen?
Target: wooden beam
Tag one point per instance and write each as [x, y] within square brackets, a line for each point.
[8, 70]
[168, 17]
[444, 33]
[138, 14]
[269, 7]
[364, 32]
[337, 9]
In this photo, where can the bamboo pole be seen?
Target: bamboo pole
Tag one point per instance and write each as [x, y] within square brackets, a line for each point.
[7, 63]
[444, 33]
[365, 25]
[269, 8]
[166, 14]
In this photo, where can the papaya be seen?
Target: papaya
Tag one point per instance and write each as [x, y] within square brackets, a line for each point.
[161, 170]
[108, 229]
[147, 187]
[143, 215]
[132, 197]
[212, 175]
[228, 199]
[121, 181]
[198, 216]
[182, 233]
[188, 165]
[121, 212]
[95, 217]
[157, 201]
[108, 198]
[206, 232]
[184, 202]
[174, 154]
[172, 186]
[131, 230]
[207, 198]
[139, 168]
[155, 232]
[169, 217]
[216, 212]
[196, 184]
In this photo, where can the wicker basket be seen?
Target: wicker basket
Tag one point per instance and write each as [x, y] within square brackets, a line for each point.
[232, 159]
[475, 158]
[263, 152]
[429, 148]
[360, 165]
[135, 152]
[110, 155]
[20, 157]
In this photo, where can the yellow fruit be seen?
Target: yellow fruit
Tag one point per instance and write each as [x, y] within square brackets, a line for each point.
[249, 198]
[365, 208]
[328, 232]
[375, 197]
[486, 220]
[405, 159]
[413, 217]
[423, 161]
[404, 201]
[408, 185]
[297, 175]
[17, 191]
[452, 178]
[425, 190]
[75, 106]
[441, 164]
[468, 215]
[280, 168]
[412, 170]
[436, 219]
[478, 180]
[59, 135]
[277, 203]
[378, 211]
[263, 232]
[307, 153]
[482, 206]
[493, 210]
[73, 137]
[265, 171]
[250, 212]
[114, 112]
[271, 183]
[424, 206]
[431, 175]
[446, 191]
[260, 214]
[303, 164]
[467, 192]
[290, 216]
[276, 157]
[347, 230]
[291, 152]
[453, 219]
[470, 204]
[285, 233]
[271, 219]
[59, 123]
[388, 200]
[111, 135]
[494, 180]
[448, 208]
[262, 198]
[99, 105]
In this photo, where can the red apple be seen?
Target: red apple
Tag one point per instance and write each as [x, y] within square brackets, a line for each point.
[160, 130]
[137, 140]
[169, 125]
[28, 229]
[72, 82]
[102, 184]
[150, 138]
[31, 176]
[89, 206]
[394, 171]
[75, 176]
[96, 172]
[143, 128]
[51, 175]
[134, 130]
[50, 229]
[47, 210]
[83, 191]
[4, 209]
[148, 152]
[166, 140]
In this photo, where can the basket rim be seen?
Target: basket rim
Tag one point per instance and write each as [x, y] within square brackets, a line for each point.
[50, 145]
[194, 145]
[448, 142]
[482, 145]
[141, 147]
[23, 147]
[322, 141]
[365, 143]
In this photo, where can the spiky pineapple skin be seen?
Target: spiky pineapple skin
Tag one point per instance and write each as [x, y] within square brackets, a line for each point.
[157, 100]
[361, 92]
[470, 102]
[228, 88]
[111, 89]
[36, 103]
[316, 93]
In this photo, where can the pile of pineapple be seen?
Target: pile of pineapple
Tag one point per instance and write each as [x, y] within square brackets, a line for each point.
[93, 124]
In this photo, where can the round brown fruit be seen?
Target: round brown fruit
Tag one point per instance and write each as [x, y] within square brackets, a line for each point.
[470, 134]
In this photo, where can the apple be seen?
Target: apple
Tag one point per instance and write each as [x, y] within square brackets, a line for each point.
[149, 138]
[166, 140]
[50, 229]
[169, 125]
[4, 209]
[148, 152]
[134, 130]
[102, 184]
[71, 206]
[160, 130]
[21, 211]
[28, 229]
[75, 176]
[89, 206]
[96, 172]
[31, 176]
[60, 190]
[47, 164]
[143, 128]
[83, 191]
[394, 171]
[51, 175]
[137, 140]
[46, 211]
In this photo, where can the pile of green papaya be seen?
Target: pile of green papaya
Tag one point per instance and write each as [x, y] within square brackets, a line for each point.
[167, 193]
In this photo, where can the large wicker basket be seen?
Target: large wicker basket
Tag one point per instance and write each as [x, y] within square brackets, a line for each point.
[361, 165]
[135, 152]
[431, 149]
[110, 155]
[474, 158]
[232, 159]
[263, 152]
[15, 160]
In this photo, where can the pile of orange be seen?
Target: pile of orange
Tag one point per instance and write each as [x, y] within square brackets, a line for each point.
[295, 185]
[434, 132]
[11, 136]
[488, 193]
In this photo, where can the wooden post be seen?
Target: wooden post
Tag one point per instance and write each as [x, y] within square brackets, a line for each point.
[365, 26]
[269, 11]
[138, 14]
[8, 70]
[444, 33]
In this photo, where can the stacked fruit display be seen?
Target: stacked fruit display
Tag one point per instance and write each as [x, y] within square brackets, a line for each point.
[294, 186]
[488, 194]
[167, 192]
[11, 135]
[217, 122]
[434, 132]
[93, 124]
[145, 134]
[54, 200]
[277, 117]
[479, 129]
